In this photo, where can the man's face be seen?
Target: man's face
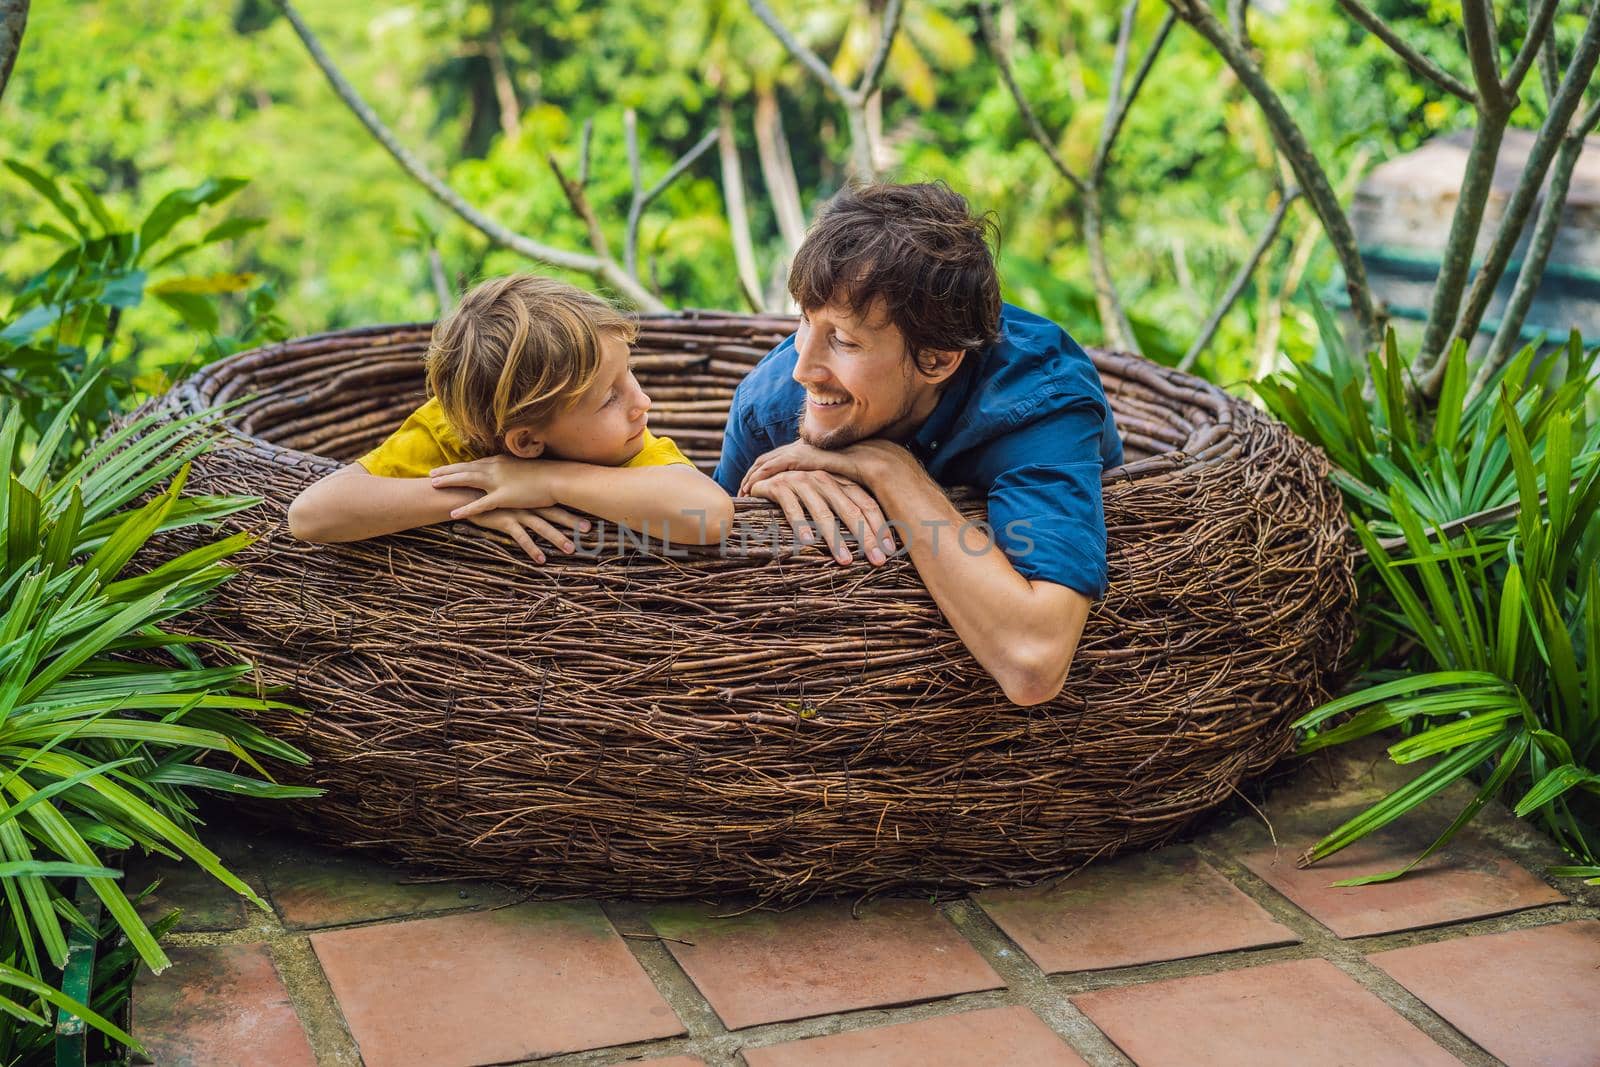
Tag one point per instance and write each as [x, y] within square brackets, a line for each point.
[860, 379]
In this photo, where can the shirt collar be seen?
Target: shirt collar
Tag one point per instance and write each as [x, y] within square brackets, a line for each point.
[935, 429]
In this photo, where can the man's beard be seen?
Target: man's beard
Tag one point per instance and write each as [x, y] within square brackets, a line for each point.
[851, 433]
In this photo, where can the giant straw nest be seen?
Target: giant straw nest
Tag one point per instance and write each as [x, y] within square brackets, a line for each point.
[759, 719]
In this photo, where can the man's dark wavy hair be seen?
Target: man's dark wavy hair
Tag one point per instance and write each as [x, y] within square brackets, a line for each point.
[920, 249]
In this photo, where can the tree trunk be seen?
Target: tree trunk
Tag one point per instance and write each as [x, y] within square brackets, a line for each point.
[13, 20]
[777, 171]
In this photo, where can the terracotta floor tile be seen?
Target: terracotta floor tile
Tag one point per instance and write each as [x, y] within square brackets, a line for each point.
[995, 1037]
[217, 1006]
[1159, 906]
[764, 967]
[1304, 1012]
[1469, 879]
[314, 888]
[490, 986]
[1528, 996]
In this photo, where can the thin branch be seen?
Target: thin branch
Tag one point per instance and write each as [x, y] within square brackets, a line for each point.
[1035, 127]
[880, 56]
[744, 251]
[1483, 52]
[1119, 73]
[1549, 68]
[1590, 120]
[441, 287]
[642, 200]
[630, 135]
[1240, 280]
[1113, 317]
[1538, 30]
[1455, 261]
[630, 243]
[1563, 105]
[1118, 113]
[1506, 338]
[585, 142]
[13, 21]
[854, 99]
[580, 206]
[1292, 143]
[1466, 221]
[505, 91]
[809, 59]
[1239, 20]
[1414, 59]
[605, 270]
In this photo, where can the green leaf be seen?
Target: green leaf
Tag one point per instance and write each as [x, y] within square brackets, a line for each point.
[1400, 687]
[179, 205]
[1510, 761]
[20, 980]
[1452, 393]
[96, 206]
[1552, 785]
[1479, 725]
[45, 869]
[47, 188]
[196, 311]
[1429, 783]
[190, 776]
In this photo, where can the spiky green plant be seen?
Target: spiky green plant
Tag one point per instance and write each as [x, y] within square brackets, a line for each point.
[1480, 522]
[103, 712]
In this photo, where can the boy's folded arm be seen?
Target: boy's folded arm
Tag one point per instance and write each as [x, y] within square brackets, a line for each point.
[673, 502]
[352, 504]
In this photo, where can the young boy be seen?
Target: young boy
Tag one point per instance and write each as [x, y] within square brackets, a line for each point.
[533, 412]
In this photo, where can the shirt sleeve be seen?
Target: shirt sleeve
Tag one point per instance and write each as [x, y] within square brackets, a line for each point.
[658, 452]
[420, 444]
[740, 445]
[1044, 497]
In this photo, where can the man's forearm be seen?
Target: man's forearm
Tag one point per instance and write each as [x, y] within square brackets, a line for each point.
[1023, 633]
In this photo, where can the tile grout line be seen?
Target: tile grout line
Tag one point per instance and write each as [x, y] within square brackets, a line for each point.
[1350, 957]
[318, 1011]
[316, 1008]
[1030, 986]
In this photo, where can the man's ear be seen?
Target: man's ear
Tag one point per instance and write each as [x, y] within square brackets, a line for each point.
[938, 365]
[524, 443]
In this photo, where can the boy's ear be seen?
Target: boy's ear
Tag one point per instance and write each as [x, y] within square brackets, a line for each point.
[524, 443]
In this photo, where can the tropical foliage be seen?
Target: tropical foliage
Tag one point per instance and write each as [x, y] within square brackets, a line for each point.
[1481, 528]
[104, 714]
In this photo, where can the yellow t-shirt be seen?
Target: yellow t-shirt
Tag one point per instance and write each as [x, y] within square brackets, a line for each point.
[425, 441]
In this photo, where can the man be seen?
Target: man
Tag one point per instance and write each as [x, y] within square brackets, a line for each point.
[908, 375]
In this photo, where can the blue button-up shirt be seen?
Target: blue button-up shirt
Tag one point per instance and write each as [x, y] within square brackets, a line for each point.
[1024, 420]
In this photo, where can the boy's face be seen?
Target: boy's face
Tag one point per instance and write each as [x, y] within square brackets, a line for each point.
[606, 426]
[860, 379]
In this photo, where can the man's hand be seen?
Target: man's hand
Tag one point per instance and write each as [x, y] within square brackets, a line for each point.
[831, 501]
[799, 456]
[506, 482]
[516, 523]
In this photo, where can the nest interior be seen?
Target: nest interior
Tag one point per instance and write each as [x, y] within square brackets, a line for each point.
[758, 719]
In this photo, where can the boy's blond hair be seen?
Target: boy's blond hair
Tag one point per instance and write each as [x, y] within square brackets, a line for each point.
[515, 352]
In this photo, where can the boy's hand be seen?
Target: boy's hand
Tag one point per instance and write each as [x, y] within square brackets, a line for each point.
[516, 523]
[506, 482]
